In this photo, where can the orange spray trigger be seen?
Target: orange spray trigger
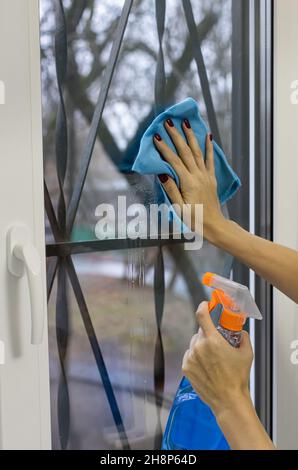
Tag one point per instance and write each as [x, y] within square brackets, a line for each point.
[214, 301]
[236, 301]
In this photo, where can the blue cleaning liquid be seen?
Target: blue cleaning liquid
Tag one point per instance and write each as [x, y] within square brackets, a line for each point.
[191, 424]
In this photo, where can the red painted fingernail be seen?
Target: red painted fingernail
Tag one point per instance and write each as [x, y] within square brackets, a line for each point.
[157, 137]
[163, 178]
[211, 137]
[187, 123]
[170, 122]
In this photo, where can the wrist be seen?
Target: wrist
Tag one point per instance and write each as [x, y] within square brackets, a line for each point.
[216, 231]
[241, 426]
[236, 405]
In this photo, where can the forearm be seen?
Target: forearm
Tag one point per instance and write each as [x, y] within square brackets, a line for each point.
[242, 427]
[275, 263]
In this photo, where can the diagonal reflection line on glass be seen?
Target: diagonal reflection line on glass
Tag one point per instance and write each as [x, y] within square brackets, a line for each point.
[97, 353]
[88, 149]
[160, 76]
[51, 264]
[61, 138]
[159, 360]
[51, 215]
[199, 59]
[62, 334]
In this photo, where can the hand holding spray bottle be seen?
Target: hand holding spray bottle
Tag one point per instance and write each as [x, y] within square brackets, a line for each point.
[191, 424]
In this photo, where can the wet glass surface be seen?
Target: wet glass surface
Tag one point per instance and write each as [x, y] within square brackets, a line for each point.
[118, 286]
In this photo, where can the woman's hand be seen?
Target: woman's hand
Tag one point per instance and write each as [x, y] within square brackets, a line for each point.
[218, 372]
[197, 179]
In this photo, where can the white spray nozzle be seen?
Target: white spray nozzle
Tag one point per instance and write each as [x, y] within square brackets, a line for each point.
[242, 300]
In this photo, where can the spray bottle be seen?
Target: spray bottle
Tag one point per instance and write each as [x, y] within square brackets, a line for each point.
[191, 424]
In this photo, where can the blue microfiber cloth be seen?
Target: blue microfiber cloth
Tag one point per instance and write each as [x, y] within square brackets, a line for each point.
[149, 162]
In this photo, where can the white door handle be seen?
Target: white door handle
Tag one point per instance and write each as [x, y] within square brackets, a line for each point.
[23, 257]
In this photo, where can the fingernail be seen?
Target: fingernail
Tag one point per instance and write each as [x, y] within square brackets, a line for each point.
[210, 137]
[170, 122]
[157, 137]
[187, 123]
[163, 178]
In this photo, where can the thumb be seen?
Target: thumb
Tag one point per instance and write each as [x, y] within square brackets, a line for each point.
[204, 319]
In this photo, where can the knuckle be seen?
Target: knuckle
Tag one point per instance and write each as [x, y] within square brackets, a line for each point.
[197, 153]
[166, 153]
[199, 316]
[183, 145]
[185, 362]
[194, 341]
[178, 164]
[200, 313]
[198, 348]
[185, 370]
[177, 159]
[186, 152]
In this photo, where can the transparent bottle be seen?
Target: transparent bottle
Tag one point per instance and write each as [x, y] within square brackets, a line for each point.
[233, 337]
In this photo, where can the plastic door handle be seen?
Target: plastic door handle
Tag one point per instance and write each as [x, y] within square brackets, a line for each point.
[24, 259]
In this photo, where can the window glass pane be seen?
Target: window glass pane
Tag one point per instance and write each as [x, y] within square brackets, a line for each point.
[118, 285]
